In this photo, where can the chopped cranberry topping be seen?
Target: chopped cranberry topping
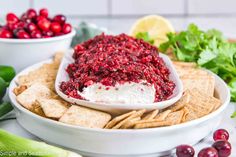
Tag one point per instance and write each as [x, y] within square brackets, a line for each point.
[109, 60]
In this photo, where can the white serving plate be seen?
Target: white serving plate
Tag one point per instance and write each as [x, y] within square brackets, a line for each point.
[113, 107]
[119, 143]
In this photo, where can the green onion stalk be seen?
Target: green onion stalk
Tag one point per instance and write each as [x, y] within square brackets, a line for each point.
[15, 146]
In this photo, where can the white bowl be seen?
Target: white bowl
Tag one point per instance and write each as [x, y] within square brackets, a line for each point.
[117, 108]
[21, 53]
[120, 143]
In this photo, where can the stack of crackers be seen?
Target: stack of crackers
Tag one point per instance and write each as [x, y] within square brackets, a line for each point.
[36, 93]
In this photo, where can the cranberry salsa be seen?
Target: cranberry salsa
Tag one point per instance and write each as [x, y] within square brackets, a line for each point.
[112, 60]
[34, 25]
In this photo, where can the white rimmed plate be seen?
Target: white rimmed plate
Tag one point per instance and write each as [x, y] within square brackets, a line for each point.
[113, 107]
[119, 143]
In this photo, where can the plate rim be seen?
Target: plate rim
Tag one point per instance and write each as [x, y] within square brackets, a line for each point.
[15, 104]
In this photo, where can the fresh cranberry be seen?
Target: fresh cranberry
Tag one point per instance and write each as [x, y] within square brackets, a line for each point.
[55, 27]
[185, 151]
[39, 18]
[5, 33]
[44, 24]
[23, 17]
[20, 24]
[48, 33]
[221, 134]
[208, 152]
[66, 28]
[27, 20]
[15, 31]
[12, 26]
[59, 34]
[26, 25]
[59, 18]
[45, 36]
[43, 12]
[4, 27]
[11, 18]
[23, 35]
[223, 147]
[36, 34]
[31, 27]
[31, 13]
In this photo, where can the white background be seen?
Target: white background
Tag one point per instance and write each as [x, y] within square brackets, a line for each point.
[119, 15]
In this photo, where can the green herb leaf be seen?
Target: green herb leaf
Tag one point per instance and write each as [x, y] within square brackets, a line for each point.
[145, 36]
[233, 115]
[208, 49]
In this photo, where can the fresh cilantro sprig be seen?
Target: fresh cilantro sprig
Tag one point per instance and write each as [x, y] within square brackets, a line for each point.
[209, 49]
[145, 36]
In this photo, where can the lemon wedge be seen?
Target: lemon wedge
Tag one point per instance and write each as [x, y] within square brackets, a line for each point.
[156, 26]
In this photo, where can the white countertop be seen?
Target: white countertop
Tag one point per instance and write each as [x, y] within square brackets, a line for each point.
[227, 123]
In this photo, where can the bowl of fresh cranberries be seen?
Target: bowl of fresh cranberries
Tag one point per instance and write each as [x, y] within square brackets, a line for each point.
[32, 37]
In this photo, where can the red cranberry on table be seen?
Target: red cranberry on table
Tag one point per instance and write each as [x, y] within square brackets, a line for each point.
[11, 18]
[43, 12]
[223, 147]
[185, 151]
[59, 18]
[221, 134]
[208, 152]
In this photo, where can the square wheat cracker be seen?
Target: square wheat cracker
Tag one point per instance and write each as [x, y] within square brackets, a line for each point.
[85, 117]
[29, 96]
[53, 108]
[139, 113]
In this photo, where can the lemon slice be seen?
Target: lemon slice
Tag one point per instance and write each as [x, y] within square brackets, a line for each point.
[156, 26]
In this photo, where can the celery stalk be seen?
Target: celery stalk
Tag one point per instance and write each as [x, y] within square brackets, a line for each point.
[15, 146]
